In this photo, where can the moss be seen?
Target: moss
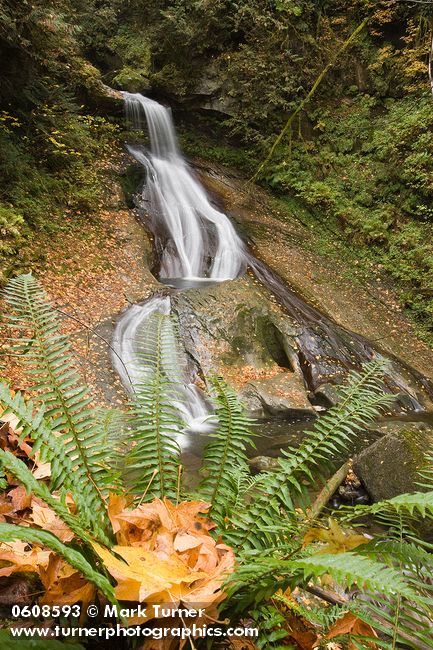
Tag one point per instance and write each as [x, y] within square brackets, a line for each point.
[134, 52]
[417, 441]
[130, 180]
[198, 144]
[376, 198]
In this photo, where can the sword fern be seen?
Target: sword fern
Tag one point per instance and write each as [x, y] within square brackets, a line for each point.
[65, 428]
[153, 458]
[260, 524]
[225, 460]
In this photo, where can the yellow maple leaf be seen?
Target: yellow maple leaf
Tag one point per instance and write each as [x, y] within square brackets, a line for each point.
[141, 574]
[336, 539]
[18, 557]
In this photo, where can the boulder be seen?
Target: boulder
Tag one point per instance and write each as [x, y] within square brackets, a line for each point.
[236, 330]
[264, 464]
[389, 466]
[326, 395]
[283, 395]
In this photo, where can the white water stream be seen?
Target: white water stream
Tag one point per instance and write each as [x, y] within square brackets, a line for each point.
[202, 240]
[132, 359]
[202, 245]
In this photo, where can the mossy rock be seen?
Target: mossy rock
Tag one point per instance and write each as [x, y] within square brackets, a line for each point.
[390, 466]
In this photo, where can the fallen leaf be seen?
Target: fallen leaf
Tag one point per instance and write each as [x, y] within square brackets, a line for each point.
[140, 574]
[20, 499]
[20, 557]
[176, 536]
[351, 624]
[47, 519]
[6, 507]
[185, 541]
[43, 470]
[337, 540]
[65, 586]
[301, 631]
[242, 644]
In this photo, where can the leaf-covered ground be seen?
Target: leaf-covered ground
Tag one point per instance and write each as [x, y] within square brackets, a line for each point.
[92, 268]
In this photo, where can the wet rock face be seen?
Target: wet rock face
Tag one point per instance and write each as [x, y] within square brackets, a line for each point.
[389, 467]
[236, 329]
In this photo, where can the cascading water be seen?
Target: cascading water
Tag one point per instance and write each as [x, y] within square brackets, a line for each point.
[131, 347]
[198, 243]
[201, 242]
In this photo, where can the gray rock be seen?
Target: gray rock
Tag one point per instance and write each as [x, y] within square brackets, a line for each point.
[283, 395]
[264, 464]
[389, 466]
[327, 395]
[236, 330]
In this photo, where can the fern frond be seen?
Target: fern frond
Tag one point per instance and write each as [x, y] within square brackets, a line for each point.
[354, 569]
[21, 472]
[46, 355]
[152, 463]
[254, 581]
[404, 513]
[412, 630]
[66, 473]
[117, 430]
[406, 619]
[11, 533]
[225, 461]
[243, 487]
[361, 402]
[425, 473]
[415, 503]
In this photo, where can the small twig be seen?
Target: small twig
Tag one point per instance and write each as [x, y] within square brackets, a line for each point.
[328, 490]
[155, 472]
[179, 477]
[326, 596]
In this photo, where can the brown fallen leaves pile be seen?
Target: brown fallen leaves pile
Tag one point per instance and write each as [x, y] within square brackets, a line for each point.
[168, 555]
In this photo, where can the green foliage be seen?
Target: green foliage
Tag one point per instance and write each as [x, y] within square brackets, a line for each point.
[76, 453]
[345, 568]
[261, 525]
[196, 144]
[135, 54]
[11, 229]
[408, 617]
[10, 533]
[9, 642]
[376, 185]
[270, 621]
[50, 142]
[155, 416]
[221, 486]
[77, 523]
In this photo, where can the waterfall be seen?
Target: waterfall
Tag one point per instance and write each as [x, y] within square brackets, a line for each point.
[132, 347]
[201, 240]
[199, 244]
